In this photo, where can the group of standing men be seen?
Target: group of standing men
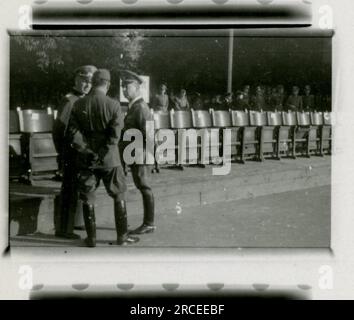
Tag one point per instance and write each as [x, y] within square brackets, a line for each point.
[87, 134]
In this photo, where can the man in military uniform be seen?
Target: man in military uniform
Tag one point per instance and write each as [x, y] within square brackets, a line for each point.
[137, 115]
[69, 196]
[294, 101]
[94, 130]
[161, 99]
[308, 99]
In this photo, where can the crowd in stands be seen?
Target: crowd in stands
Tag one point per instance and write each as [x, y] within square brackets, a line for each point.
[258, 98]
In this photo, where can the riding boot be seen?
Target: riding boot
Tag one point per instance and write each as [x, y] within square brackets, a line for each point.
[149, 213]
[149, 207]
[120, 215]
[90, 224]
[62, 210]
[72, 208]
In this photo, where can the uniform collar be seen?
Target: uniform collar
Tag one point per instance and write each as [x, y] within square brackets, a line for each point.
[77, 93]
[97, 91]
[133, 101]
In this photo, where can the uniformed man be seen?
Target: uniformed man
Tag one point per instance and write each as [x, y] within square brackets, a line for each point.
[294, 101]
[137, 115]
[161, 99]
[240, 102]
[258, 102]
[69, 196]
[308, 99]
[181, 101]
[246, 97]
[94, 130]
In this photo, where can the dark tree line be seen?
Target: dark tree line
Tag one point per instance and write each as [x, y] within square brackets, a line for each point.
[42, 67]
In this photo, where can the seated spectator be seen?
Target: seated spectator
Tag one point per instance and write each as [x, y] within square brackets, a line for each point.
[294, 101]
[171, 99]
[273, 99]
[246, 96]
[308, 99]
[267, 96]
[181, 101]
[258, 100]
[161, 100]
[280, 98]
[228, 101]
[217, 103]
[207, 104]
[197, 103]
[241, 102]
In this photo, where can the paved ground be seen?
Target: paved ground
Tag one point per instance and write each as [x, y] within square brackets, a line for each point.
[289, 219]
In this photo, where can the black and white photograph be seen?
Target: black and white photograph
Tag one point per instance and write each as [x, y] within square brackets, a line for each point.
[164, 148]
[170, 138]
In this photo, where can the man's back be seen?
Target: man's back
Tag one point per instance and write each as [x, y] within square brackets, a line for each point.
[100, 121]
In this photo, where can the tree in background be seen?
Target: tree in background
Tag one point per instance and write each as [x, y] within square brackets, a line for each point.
[41, 67]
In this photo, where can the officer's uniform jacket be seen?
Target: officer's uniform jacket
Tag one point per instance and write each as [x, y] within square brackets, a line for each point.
[160, 102]
[294, 102]
[95, 124]
[308, 102]
[62, 120]
[137, 115]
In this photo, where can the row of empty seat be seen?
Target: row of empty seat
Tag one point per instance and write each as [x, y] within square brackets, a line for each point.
[253, 134]
[31, 146]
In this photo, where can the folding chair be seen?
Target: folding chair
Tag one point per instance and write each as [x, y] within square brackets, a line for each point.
[266, 134]
[162, 121]
[326, 136]
[36, 126]
[274, 119]
[181, 121]
[249, 139]
[316, 131]
[286, 134]
[17, 160]
[304, 134]
[221, 119]
[203, 123]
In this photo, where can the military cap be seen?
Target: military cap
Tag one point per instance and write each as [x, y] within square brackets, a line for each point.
[102, 74]
[130, 76]
[85, 71]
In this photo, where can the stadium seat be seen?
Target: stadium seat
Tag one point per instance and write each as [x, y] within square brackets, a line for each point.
[274, 120]
[17, 160]
[266, 134]
[249, 139]
[326, 136]
[221, 119]
[181, 121]
[36, 126]
[205, 148]
[286, 134]
[162, 122]
[316, 131]
[304, 133]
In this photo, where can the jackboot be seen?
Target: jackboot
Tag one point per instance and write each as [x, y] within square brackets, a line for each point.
[149, 213]
[72, 208]
[120, 216]
[90, 224]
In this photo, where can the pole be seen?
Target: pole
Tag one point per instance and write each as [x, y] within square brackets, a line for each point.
[230, 62]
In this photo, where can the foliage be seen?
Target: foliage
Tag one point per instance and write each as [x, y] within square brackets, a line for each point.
[48, 61]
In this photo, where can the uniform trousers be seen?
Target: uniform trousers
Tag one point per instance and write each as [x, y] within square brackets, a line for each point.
[113, 180]
[68, 199]
[140, 178]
